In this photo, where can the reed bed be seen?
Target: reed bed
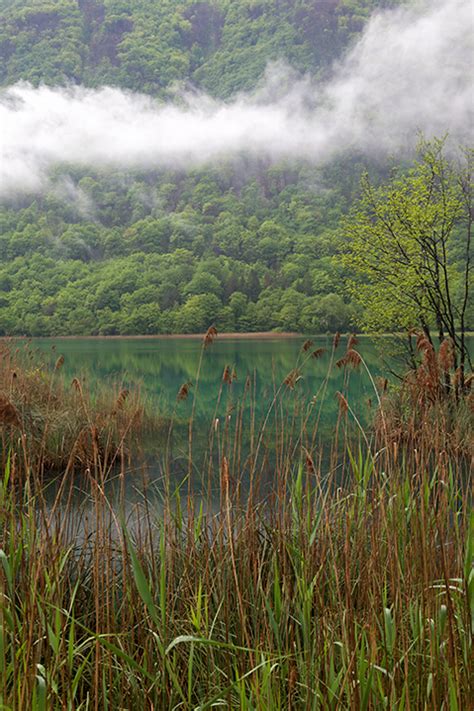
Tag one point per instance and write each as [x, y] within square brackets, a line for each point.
[53, 425]
[342, 582]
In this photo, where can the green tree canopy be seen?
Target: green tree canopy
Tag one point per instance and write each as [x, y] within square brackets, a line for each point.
[408, 244]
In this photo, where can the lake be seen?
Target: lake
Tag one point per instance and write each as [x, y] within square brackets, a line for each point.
[160, 366]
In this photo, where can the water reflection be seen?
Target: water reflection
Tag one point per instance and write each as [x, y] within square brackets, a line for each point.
[266, 413]
[160, 366]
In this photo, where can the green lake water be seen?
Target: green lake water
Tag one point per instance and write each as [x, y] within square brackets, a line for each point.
[159, 366]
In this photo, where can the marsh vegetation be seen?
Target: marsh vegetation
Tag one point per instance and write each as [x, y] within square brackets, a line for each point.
[347, 583]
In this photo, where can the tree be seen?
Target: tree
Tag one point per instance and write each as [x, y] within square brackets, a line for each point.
[198, 313]
[327, 314]
[409, 249]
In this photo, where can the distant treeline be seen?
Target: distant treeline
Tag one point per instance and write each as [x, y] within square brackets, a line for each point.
[248, 246]
[173, 253]
[222, 46]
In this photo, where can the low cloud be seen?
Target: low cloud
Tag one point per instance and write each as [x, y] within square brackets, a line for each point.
[410, 71]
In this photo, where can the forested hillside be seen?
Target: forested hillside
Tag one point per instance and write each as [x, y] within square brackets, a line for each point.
[248, 245]
[222, 46]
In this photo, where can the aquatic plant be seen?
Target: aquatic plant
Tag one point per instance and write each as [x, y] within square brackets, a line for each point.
[289, 580]
[48, 424]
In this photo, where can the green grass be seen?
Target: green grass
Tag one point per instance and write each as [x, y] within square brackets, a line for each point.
[349, 584]
[355, 597]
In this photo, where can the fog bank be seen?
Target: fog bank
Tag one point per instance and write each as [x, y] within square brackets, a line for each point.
[410, 71]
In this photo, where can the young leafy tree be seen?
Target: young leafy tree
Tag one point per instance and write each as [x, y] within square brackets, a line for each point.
[409, 249]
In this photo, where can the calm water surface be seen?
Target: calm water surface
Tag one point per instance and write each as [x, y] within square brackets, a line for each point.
[159, 366]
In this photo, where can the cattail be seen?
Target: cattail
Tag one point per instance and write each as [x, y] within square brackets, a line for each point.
[183, 392]
[429, 357]
[318, 353]
[59, 363]
[423, 343]
[446, 355]
[310, 468]
[210, 335]
[307, 345]
[336, 339]
[292, 678]
[76, 384]
[456, 379]
[353, 358]
[225, 475]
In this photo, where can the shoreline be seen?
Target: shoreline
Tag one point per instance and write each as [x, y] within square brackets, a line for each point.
[250, 335]
[234, 336]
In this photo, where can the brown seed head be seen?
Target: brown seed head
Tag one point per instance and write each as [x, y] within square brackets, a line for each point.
[229, 375]
[307, 345]
[446, 355]
[423, 342]
[310, 468]
[8, 413]
[210, 335]
[353, 358]
[183, 392]
[343, 404]
[76, 384]
[292, 378]
[352, 341]
[456, 379]
[225, 475]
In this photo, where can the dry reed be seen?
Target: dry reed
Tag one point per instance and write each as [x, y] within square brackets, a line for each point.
[341, 582]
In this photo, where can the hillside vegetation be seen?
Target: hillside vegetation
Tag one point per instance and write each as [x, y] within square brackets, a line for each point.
[146, 45]
[248, 246]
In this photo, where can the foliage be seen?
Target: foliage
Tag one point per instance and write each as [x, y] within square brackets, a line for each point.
[349, 586]
[126, 256]
[248, 246]
[409, 246]
[148, 45]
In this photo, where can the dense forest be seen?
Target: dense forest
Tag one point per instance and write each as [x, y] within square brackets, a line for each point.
[248, 245]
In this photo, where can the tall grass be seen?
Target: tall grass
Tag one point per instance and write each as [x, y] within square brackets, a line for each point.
[51, 425]
[347, 583]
